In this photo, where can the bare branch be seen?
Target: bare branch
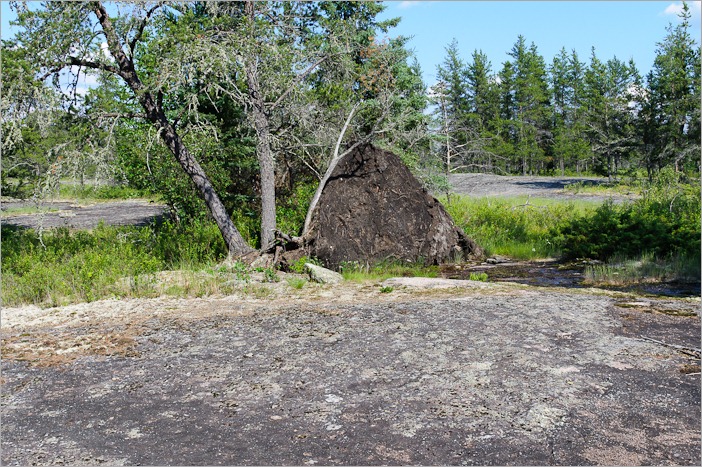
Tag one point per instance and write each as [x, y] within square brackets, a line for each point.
[142, 26]
[297, 79]
[327, 174]
[75, 61]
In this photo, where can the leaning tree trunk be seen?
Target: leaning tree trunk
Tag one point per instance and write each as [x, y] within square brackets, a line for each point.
[236, 244]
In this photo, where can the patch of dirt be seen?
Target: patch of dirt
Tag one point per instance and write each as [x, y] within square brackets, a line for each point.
[483, 185]
[430, 373]
[77, 216]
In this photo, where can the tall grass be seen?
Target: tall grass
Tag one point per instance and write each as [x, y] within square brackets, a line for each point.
[646, 268]
[64, 266]
[520, 227]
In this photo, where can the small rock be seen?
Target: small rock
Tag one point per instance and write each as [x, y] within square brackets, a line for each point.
[497, 260]
[322, 275]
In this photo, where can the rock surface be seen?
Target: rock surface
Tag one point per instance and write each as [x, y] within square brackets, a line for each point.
[352, 376]
[322, 275]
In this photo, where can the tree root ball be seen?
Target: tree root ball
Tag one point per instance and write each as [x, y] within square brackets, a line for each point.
[373, 209]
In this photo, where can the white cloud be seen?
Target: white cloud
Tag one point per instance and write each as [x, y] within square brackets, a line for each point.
[105, 50]
[675, 8]
[409, 3]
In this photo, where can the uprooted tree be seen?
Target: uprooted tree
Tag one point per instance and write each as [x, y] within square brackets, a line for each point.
[372, 209]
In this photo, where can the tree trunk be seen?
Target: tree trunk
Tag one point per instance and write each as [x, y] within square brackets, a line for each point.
[236, 244]
[263, 147]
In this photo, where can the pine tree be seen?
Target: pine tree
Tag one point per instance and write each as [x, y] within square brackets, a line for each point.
[674, 84]
[530, 106]
[609, 89]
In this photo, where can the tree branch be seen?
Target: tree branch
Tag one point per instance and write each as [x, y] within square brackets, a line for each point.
[297, 79]
[327, 174]
[142, 26]
[75, 61]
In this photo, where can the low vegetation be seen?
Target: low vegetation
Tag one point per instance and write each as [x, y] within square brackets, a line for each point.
[355, 271]
[63, 266]
[655, 237]
[521, 228]
[647, 268]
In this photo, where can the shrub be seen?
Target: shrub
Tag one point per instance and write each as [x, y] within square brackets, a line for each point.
[664, 222]
[478, 276]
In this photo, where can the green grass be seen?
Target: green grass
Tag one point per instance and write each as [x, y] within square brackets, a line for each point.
[617, 188]
[645, 268]
[357, 272]
[18, 211]
[103, 192]
[481, 277]
[296, 282]
[63, 266]
[519, 227]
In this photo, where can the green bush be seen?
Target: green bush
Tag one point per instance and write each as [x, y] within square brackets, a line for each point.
[664, 222]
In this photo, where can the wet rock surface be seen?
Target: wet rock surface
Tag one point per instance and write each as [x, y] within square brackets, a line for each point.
[453, 376]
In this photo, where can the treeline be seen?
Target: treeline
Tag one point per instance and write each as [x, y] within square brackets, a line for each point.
[570, 116]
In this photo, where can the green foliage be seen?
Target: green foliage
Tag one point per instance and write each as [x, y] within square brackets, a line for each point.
[64, 266]
[298, 266]
[386, 289]
[516, 227]
[242, 271]
[101, 192]
[664, 222]
[622, 270]
[292, 209]
[478, 276]
[296, 282]
[270, 275]
[355, 271]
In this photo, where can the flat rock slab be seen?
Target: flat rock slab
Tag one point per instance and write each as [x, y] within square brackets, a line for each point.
[523, 377]
[482, 185]
[437, 283]
[131, 212]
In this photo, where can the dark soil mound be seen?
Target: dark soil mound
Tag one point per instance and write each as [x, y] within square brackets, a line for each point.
[373, 209]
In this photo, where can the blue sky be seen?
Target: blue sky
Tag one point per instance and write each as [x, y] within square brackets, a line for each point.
[625, 29]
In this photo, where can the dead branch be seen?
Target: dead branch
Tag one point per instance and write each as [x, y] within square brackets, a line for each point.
[327, 174]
